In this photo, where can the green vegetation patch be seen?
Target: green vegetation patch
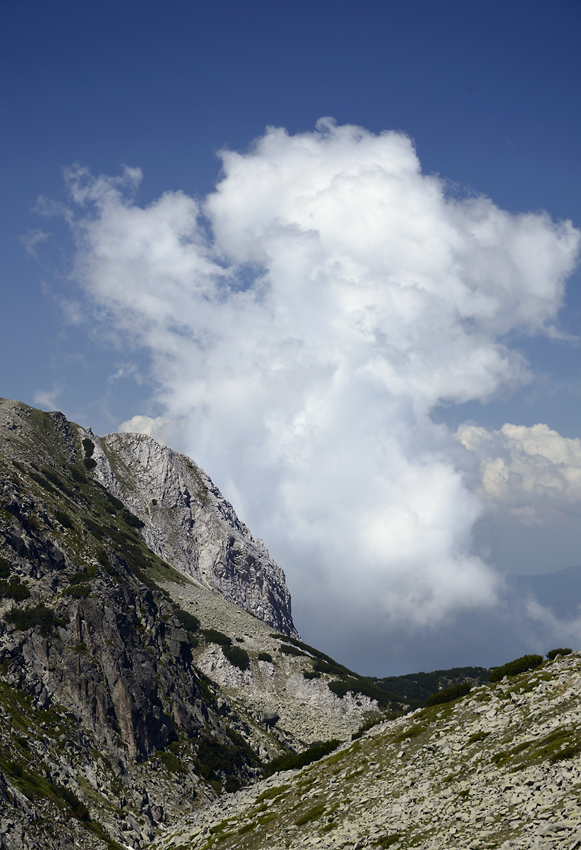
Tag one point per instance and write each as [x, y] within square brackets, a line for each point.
[214, 636]
[64, 519]
[411, 732]
[35, 786]
[188, 621]
[553, 653]
[449, 694]
[265, 656]
[313, 813]
[78, 591]
[32, 522]
[131, 520]
[339, 756]
[79, 587]
[310, 649]
[478, 736]
[97, 529]
[504, 756]
[103, 559]
[291, 650]
[5, 568]
[237, 656]
[367, 725]
[294, 761]
[160, 571]
[417, 687]
[46, 485]
[215, 759]
[78, 475]
[57, 481]
[357, 685]
[81, 577]
[435, 712]
[216, 830]
[77, 807]
[171, 762]
[561, 743]
[244, 747]
[14, 589]
[272, 793]
[333, 669]
[388, 840]
[140, 573]
[341, 687]
[40, 617]
[513, 668]
[115, 503]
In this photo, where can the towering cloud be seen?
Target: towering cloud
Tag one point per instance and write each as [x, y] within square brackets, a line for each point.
[304, 320]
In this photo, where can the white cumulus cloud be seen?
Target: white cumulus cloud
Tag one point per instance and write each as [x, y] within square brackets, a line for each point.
[48, 398]
[304, 320]
[157, 427]
[530, 469]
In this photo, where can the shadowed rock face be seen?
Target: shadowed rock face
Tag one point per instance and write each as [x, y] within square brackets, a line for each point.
[190, 524]
[99, 694]
[113, 651]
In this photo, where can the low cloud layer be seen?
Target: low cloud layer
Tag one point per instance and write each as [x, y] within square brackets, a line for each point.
[304, 321]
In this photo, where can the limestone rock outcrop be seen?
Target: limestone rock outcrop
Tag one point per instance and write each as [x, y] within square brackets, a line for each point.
[189, 524]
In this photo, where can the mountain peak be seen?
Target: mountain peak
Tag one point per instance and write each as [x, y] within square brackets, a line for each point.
[189, 524]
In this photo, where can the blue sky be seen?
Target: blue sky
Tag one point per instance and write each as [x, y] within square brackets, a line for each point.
[488, 93]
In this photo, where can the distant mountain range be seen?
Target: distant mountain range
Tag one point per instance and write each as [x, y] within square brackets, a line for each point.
[415, 688]
[559, 591]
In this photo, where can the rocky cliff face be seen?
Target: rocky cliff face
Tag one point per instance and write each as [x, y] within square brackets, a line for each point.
[189, 524]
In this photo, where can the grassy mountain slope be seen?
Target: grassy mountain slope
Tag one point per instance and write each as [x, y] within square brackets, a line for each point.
[498, 768]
